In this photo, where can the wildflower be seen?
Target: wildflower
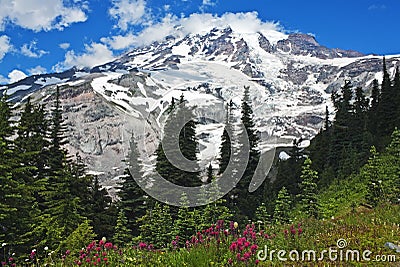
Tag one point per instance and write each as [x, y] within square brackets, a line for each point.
[10, 259]
[33, 253]
[46, 248]
[104, 239]
[254, 248]
[299, 231]
[286, 232]
[293, 231]
[3, 263]
[230, 261]
[247, 255]
[235, 225]
[257, 261]
[108, 245]
[142, 245]
[4, 244]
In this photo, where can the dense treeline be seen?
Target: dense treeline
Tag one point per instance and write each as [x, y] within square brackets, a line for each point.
[48, 200]
[46, 197]
[343, 145]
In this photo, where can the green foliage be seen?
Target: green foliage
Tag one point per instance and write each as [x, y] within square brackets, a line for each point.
[245, 202]
[100, 211]
[308, 187]
[156, 225]
[185, 224]
[132, 197]
[262, 214]
[282, 207]
[78, 239]
[122, 234]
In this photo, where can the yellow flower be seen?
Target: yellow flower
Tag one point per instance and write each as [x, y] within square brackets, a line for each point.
[235, 225]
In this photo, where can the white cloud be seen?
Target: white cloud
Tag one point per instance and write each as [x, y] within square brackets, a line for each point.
[376, 7]
[38, 15]
[202, 23]
[119, 42]
[64, 45]
[207, 3]
[30, 50]
[37, 70]
[95, 54]
[15, 76]
[5, 46]
[128, 12]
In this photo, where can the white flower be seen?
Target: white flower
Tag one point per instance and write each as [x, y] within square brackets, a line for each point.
[34, 250]
[46, 248]
[104, 239]
[380, 181]
[4, 244]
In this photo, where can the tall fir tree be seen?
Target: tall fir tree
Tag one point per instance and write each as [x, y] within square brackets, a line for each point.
[247, 202]
[101, 211]
[308, 186]
[185, 224]
[10, 189]
[187, 145]
[123, 235]
[372, 112]
[225, 149]
[282, 207]
[387, 106]
[63, 212]
[132, 197]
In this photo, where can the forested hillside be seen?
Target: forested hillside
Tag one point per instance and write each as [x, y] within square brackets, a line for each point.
[345, 185]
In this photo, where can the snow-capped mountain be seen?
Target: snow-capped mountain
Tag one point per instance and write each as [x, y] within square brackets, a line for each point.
[291, 77]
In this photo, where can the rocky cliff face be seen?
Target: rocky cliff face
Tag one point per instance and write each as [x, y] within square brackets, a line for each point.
[291, 80]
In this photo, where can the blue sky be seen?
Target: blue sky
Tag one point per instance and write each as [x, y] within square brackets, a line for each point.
[38, 36]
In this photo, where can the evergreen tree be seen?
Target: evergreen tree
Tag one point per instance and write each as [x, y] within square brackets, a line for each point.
[247, 202]
[188, 148]
[225, 150]
[373, 172]
[122, 234]
[156, 225]
[101, 212]
[10, 194]
[396, 90]
[308, 186]
[282, 207]
[62, 213]
[217, 210]
[185, 224]
[372, 112]
[132, 197]
[387, 107]
[262, 214]
[209, 174]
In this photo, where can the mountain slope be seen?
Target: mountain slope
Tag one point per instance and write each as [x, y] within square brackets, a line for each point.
[290, 76]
